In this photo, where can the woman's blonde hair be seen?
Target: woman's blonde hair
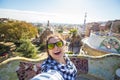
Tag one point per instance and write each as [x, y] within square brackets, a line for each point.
[52, 36]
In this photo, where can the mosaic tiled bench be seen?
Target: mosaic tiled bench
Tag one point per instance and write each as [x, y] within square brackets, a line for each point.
[89, 67]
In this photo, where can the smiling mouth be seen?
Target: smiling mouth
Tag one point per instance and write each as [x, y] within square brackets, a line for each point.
[57, 53]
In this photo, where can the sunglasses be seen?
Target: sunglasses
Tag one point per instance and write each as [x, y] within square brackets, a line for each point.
[52, 45]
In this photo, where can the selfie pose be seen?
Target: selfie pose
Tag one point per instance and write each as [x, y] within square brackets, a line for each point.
[57, 59]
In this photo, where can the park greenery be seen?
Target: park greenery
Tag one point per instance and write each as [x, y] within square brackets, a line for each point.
[27, 49]
[20, 33]
[16, 30]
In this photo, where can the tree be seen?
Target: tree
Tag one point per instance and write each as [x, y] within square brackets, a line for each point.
[73, 33]
[16, 30]
[27, 49]
[40, 30]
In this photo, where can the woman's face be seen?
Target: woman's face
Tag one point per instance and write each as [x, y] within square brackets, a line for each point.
[57, 50]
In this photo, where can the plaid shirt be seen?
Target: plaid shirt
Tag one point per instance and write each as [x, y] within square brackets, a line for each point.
[68, 70]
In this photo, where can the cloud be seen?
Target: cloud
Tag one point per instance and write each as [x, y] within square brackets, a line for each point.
[32, 16]
[24, 15]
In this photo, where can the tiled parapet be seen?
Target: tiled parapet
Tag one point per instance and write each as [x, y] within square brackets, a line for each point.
[19, 68]
[102, 67]
[81, 64]
[27, 70]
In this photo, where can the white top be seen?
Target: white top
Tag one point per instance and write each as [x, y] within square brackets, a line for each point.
[50, 75]
[118, 72]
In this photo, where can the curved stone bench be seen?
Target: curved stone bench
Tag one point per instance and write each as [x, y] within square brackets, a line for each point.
[89, 67]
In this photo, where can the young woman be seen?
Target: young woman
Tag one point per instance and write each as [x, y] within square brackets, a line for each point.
[57, 59]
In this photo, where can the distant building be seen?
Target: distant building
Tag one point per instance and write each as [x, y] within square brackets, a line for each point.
[3, 19]
[94, 27]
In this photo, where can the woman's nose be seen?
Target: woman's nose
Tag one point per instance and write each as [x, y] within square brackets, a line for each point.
[56, 47]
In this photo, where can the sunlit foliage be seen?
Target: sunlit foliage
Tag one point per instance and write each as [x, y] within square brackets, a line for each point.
[16, 30]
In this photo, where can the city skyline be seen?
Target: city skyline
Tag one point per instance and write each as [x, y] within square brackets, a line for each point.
[60, 11]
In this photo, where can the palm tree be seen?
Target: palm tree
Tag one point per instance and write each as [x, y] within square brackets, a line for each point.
[75, 39]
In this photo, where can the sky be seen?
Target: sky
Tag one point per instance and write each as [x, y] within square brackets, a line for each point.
[60, 11]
